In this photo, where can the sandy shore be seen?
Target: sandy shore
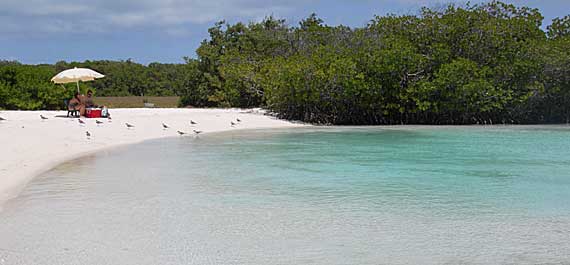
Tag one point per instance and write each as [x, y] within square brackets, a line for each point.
[31, 146]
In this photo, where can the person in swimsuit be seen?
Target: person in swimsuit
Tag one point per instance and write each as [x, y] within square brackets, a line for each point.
[89, 100]
[89, 103]
[76, 103]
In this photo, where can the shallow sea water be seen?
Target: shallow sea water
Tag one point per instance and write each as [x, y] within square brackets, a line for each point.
[388, 195]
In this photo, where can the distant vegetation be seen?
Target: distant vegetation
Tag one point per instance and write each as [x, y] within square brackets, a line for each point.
[488, 63]
[138, 102]
[29, 86]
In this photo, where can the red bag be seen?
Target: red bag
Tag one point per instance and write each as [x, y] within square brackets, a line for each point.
[93, 113]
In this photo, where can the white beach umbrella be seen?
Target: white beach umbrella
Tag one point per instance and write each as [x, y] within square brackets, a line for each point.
[75, 75]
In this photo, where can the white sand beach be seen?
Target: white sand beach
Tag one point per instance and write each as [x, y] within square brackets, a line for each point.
[31, 145]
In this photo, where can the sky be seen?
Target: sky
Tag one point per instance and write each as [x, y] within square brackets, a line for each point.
[145, 31]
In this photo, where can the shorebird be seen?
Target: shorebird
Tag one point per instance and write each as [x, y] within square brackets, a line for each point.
[2, 119]
[43, 117]
[164, 126]
[109, 119]
[233, 123]
[193, 122]
[129, 125]
[98, 122]
[238, 120]
[80, 121]
[181, 133]
[88, 134]
[197, 131]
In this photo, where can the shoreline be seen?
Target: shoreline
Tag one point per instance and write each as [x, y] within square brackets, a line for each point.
[32, 146]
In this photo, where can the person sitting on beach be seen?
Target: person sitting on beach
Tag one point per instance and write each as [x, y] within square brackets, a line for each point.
[76, 103]
[89, 103]
[89, 100]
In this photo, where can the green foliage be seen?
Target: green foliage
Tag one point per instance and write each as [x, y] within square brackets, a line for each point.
[554, 103]
[28, 88]
[559, 28]
[127, 78]
[484, 63]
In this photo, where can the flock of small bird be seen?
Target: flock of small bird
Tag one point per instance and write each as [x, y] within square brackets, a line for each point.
[131, 126]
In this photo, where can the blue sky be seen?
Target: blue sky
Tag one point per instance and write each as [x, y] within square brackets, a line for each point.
[47, 31]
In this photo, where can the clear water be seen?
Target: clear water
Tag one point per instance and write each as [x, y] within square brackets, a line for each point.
[396, 195]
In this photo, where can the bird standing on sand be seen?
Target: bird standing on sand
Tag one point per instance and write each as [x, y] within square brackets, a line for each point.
[164, 126]
[88, 134]
[238, 120]
[43, 117]
[181, 133]
[2, 119]
[193, 122]
[81, 121]
[98, 122]
[233, 123]
[197, 131]
[129, 126]
[109, 119]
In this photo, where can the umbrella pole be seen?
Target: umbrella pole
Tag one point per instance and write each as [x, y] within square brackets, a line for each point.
[77, 86]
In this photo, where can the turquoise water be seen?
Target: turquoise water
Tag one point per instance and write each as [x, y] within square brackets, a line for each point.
[390, 195]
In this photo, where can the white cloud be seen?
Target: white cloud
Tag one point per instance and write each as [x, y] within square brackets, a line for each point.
[48, 16]
[170, 16]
